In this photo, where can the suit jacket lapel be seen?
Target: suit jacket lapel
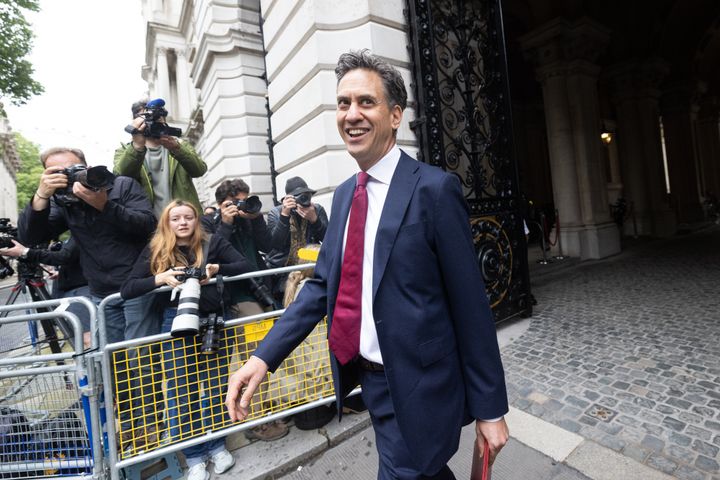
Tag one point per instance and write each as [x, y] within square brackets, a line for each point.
[401, 190]
[344, 196]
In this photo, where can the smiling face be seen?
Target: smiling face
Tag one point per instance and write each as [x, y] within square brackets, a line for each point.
[182, 222]
[365, 120]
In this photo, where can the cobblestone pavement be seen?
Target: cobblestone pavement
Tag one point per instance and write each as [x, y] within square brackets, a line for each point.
[626, 352]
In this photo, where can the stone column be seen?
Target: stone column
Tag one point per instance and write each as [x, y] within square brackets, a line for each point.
[635, 93]
[563, 53]
[162, 73]
[708, 135]
[185, 90]
[679, 109]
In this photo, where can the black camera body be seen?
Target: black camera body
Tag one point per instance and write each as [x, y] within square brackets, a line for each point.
[154, 127]
[251, 204]
[191, 272]
[304, 199]
[8, 233]
[210, 330]
[261, 293]
[95, 178]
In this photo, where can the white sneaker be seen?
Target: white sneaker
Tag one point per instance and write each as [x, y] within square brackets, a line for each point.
[223, 461]
[198, 472]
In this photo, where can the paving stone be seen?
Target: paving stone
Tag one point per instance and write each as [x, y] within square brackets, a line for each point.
[659, 462]
[688, 473]
[680, 439]
[653, 443]
[674, 424]
[694, 431]
[636, 452]
[705, 448]
[707, 464]
[683, 455]
[677, 402]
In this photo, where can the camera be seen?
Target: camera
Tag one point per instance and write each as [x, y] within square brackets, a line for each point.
[304, 199]
[187, 320]
[211, 326]
[95, 178]
[154, 111]
[251, 204]
[8, 233]
[261, 293]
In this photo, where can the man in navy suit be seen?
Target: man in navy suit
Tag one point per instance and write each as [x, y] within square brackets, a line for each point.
[409, 318]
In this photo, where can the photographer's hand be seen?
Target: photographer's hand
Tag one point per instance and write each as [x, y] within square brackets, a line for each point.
[51, 180]
[171, 143]
[15, 251]
[228, 212]
[138, 139]
[308, 213]
[249, 216]
[211, 269]
[288, 205]
[97, 200]
[168, 277]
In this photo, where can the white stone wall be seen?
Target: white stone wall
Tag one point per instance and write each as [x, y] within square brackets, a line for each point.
[303, 41]
[219, 47]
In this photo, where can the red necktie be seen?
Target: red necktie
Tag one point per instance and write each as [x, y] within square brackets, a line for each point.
[345, 328]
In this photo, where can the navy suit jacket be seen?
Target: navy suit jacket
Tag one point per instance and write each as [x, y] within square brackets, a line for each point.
[434, 324]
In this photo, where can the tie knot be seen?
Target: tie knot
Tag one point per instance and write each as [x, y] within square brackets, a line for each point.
[362, 179]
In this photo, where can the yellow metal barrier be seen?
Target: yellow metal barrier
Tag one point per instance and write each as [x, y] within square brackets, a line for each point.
[184, 396]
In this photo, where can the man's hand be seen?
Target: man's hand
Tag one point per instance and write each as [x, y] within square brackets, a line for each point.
[97, 200]
[308, 213]
[50, 181]
[249, 376]
[288, 205]
[15, 251]
[171, 143]
[138, 139]
[496, 434]
[228, 212]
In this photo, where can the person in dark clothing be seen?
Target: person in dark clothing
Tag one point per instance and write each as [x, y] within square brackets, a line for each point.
[111, 228]
[248, 233]
[293, 224]
[179, 243]
[70, 281]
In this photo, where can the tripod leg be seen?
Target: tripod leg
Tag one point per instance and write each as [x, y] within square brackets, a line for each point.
[38, 293]
[14, 294]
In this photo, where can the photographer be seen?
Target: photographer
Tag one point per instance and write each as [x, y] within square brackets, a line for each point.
[70, 281]
[240, 222]
[179, 243]
[295, 223]
[162, 164]
[111, 227]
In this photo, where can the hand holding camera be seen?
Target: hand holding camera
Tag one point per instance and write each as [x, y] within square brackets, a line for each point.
[169, 277]
[52, 179]
[247, 208]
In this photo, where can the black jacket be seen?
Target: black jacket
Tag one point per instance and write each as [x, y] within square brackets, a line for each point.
[256, 229]
[110, 241]
[70, 273]
[141, 280]
[279, 227]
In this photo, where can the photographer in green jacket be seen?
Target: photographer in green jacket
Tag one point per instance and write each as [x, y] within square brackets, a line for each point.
[164, 165]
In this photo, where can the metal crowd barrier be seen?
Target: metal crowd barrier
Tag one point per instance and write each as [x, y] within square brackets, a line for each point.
[172, 396]
[48, 412]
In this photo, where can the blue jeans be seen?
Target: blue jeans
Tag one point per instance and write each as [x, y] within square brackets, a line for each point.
[127, 320]
[186, 369]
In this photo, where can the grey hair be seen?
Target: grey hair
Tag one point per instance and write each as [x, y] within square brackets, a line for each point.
[392, 80]
[55, 150]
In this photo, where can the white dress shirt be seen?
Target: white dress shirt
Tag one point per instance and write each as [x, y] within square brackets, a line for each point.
[377, 189]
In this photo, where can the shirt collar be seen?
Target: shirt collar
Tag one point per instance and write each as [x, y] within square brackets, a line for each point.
[384, 169]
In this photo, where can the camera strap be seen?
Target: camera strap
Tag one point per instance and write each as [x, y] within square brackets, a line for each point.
[221, 288]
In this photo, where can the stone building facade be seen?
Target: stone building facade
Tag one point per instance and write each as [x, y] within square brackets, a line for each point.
[8, 169]
[252, 82]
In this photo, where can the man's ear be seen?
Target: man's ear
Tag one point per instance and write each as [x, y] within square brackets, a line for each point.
[397, 114]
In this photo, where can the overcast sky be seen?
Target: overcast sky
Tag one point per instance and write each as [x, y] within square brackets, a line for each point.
[88, 55]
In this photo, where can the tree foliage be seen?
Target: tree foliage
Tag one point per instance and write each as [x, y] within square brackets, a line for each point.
[28, 176]
[16, 38]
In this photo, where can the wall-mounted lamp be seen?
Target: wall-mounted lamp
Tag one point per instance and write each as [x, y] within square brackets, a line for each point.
[606, 137]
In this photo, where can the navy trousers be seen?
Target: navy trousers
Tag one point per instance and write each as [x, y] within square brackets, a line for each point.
[395, 461]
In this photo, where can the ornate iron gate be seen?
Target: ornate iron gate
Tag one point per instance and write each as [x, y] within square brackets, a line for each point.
[464, 126]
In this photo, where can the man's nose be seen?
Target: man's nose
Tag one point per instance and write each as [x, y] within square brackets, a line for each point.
[353, 112]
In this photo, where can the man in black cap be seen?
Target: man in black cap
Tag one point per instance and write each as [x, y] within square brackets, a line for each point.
[294, 223]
